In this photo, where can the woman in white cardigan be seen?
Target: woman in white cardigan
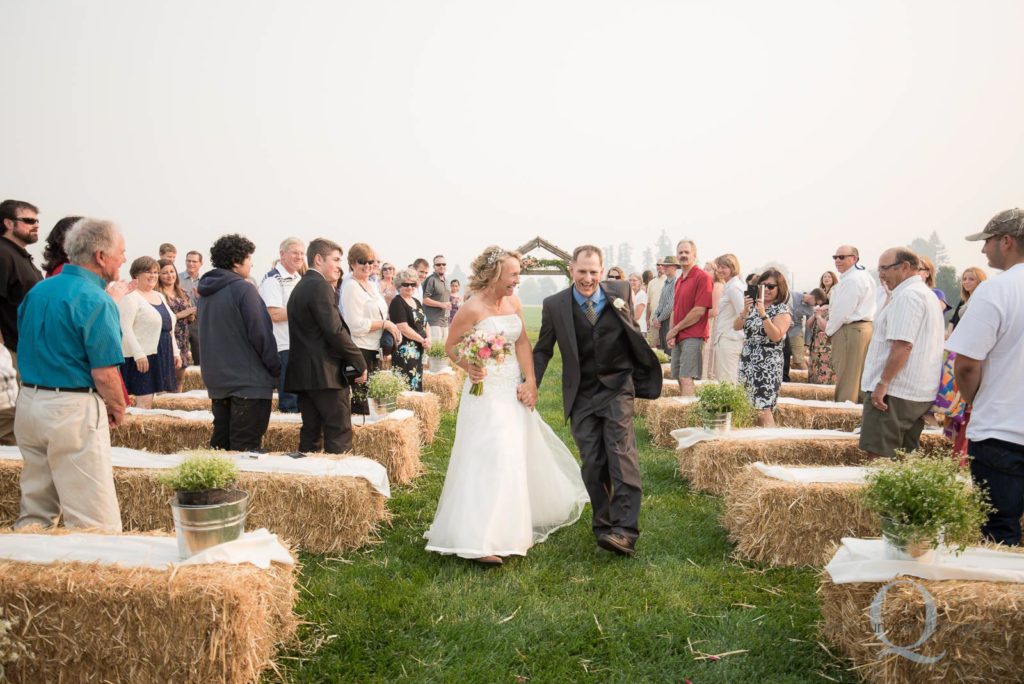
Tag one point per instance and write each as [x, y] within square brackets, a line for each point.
[366, 314]
[147, 336]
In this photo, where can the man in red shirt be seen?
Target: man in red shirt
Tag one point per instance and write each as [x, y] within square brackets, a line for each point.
[689, 320]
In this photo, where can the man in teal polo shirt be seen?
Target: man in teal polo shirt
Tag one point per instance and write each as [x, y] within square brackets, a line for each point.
[68, 355]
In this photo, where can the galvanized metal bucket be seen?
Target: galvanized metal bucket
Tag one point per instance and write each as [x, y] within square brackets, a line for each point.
[721, 422]
[438, 363]
[200, 527]
[382, 408]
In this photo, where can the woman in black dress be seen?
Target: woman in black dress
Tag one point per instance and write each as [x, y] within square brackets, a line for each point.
[764, 323]
[407, 313]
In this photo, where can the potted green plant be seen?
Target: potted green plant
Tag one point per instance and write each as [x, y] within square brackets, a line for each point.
[383, 389]
[207, 508]
[923, 502]
[438, 357]
[722, 406]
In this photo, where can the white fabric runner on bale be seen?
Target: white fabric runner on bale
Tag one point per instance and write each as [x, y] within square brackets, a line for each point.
[817, 403]
[813, 474]
[400, 414]
[259, 547]
[687, 437]
[350, 466]
[863, 560]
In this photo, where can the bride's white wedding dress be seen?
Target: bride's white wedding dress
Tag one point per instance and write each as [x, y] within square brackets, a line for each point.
[511, 482]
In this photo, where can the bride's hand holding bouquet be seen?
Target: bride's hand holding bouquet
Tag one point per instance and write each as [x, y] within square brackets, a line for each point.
[478, 348]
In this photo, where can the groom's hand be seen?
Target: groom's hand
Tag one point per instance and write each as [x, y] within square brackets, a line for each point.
[527, 394]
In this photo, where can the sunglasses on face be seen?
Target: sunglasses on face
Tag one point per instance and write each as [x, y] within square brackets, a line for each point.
[441, 264]
[28, 221]
[365, 262]
[770, 286]
[840, 257]
[408, 285]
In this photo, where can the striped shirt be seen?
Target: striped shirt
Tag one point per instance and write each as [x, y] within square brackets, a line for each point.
[911, 316]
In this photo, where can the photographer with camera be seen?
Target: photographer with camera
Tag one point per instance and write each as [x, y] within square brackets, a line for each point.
[765, 319]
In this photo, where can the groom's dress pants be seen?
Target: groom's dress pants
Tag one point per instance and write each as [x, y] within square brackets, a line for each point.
[611, 469]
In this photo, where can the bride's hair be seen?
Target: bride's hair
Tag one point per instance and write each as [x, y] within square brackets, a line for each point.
[486, 268]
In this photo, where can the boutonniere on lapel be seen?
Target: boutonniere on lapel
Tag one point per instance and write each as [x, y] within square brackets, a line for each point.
[619, 304]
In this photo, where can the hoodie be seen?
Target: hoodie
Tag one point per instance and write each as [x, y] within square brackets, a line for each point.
[239, 351]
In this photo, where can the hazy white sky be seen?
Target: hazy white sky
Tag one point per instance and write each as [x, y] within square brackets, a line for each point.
[774, 130]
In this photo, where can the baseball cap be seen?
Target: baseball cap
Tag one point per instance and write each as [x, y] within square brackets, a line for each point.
[1009, 222]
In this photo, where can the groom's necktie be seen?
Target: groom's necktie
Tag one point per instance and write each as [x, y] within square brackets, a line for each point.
[588, 309]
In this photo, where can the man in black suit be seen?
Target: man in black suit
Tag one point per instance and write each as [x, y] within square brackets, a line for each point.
[606, 362]
[321, 348]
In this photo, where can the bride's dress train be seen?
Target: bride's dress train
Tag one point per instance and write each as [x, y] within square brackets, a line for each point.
[511, 482]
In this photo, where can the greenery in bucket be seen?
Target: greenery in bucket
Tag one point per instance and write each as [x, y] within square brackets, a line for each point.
[437, 351]
[198, 477]
[927, 499]
[385, 386]
[723, 397]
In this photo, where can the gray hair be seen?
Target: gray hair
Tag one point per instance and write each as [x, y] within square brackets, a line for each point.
[687, 241]
[407, 274]
[87, 237]
[288, 242]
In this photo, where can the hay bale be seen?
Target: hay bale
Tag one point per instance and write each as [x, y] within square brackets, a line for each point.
[805, 390]
[979, 626]
[427, 407]
[314, 513]
[395, 444]
[790, 523]
[665, 415]
[86, 622]
[180, 402]
[796, 375]
[711, 466]
[447, 387]
[193, 379]
[817, 417]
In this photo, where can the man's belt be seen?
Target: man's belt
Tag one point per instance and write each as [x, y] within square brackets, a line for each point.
[855, 322]
[84, 390]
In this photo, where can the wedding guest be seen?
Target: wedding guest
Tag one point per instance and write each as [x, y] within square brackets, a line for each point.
[71, 393]
[242, 365]
[18, 272]
[408, 314]
[388, 290]
[151, 352]
[275, 289]
[168, 251]
[688, 324]
[708, 352]
[320, 349]
[819, 364]
[828, 281]
[927, 273]
[801, 306]
[654, 289]
[189, 279]
[764, 323]
[660, 321]
[903, 360]
[647, 277]
[436, 300]
[422, 268]
[727, 341]
[969, 281]
[989, 367]
[54, 253]
[184, 314]
[456, 300]
[615, 273]
[851, 312]
[639, 301]
[366, 315]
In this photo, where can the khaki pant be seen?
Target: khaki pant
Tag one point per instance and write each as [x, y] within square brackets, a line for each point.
[727, 359]
[65, 444]
[798, 358]
[849, 347]
[438, 333]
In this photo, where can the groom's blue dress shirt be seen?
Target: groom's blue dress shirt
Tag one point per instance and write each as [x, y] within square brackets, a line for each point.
[598, 298]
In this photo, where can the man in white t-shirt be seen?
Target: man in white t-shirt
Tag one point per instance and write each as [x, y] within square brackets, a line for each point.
[275, 290]
[989, 371]
[850, 316]
[904, 359]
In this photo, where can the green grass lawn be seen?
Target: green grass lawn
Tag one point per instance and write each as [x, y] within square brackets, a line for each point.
[568, 612]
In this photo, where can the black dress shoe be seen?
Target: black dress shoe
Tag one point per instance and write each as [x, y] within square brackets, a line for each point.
[616, 543]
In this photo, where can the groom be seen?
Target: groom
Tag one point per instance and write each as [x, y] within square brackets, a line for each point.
[606, 362]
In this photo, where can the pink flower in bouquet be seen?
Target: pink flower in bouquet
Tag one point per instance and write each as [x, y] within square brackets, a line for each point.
[485, 353]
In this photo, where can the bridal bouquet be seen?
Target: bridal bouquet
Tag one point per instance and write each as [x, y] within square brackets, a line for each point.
[478, 347]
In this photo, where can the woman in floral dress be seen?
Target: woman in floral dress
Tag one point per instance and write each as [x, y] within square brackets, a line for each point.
[407, 313]
[184, 313]
[820, 367]
[764, 323]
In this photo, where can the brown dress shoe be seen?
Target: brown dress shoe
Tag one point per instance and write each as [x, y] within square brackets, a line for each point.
[489, 560]
[616, 543]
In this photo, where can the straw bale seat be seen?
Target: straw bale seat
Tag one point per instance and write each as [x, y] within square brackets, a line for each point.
[395, 443]
[92, 622]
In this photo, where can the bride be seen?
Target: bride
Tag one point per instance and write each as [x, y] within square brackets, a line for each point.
[511, 482]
